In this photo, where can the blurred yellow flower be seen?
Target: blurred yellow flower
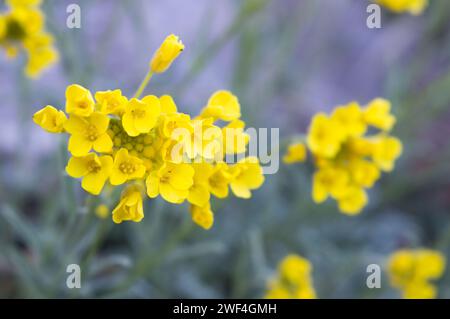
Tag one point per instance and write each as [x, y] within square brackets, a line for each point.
[293, 280]
[411, 270]
[22, 28]
[296, 153]
[325, 136]
[102, 211]
[147, 141]
[386, 149]
[349, 148]
[377, 114]
[412, 6]
[130, 206]
[166, 54]
[50, 119]
[95, 171]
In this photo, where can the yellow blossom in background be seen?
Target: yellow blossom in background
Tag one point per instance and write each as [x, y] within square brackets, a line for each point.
[296, 153]
[350, 148]
[166, 54]
[50, 119]
[102, 211]
[415, 7]
[377, 114]
[293, 280]
[152, 149]
[22, 28]
[410, 270]
[325, 136]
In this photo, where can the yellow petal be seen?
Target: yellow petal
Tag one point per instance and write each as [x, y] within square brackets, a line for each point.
[79, 145]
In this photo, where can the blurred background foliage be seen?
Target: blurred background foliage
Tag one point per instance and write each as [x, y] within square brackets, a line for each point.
[285, 60]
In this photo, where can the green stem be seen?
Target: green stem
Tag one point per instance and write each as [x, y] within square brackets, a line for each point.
[143, 85]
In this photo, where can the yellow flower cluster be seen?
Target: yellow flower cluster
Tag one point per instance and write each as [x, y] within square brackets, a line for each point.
[22, 27]
[415, 7]
[350, 148]
[155, 149]
[411, 270]
[293, 280]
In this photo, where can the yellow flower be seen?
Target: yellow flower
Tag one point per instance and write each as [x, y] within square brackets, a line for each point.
[377, 114]
[50, 119]
[79, 100]
[146, 139]
[327, 181]
[415, 7]
[202, 215]
[166, 54]
[294, 268]
[432, 264]
[130, 206]
[222, 105]
[411, 270]
[353, 200]
[126, 167]
[141, 115]
[350, 117]
[296, 153]
[199, 192]
[293, 280]
[386, 150]
[325, 136]
[247, 175]
[111, 102]
[102, 211]
[22, 27]
[173, 121]
[94, 169]
[363, 172]
[350, 148]
[219, 180]
[87, 133]
[172, 181]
